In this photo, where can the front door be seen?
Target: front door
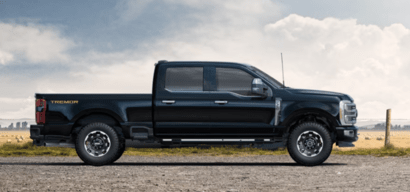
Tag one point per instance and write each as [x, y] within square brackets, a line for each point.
[235, 112]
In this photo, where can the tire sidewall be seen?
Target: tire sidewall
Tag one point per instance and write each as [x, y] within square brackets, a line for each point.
[112, 152]
[318, 159]
[120, 152]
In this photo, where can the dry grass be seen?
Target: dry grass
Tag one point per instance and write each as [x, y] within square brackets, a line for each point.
[400, 147]
[389, 150]
[11, 135]
[28, 149]
[400, 139]
[194, 151]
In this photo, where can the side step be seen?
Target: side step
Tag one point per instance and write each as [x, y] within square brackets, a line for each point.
[270, 146]
[256, 143]
[142, 134]
[69, 145]
[344, 144]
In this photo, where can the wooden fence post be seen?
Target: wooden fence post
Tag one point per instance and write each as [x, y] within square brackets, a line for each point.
[388, 122]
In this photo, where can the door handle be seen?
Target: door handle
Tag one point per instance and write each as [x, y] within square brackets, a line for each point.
[221, 102]
[168, 101]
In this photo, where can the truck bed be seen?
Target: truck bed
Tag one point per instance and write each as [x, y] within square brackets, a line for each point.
[63, 110]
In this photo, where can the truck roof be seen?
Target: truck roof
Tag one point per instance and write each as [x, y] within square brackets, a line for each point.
[164, 62]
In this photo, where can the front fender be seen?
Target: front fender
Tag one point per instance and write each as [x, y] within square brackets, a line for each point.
[289, 108]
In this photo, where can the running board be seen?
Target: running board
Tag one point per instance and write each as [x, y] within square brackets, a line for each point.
[141, 133]
[69, 145]
[344, 144]
[217, 140]
[256, 143]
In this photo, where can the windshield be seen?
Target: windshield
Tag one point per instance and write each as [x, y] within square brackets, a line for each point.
[266, 76]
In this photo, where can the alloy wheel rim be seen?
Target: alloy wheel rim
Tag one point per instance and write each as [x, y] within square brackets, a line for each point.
[97, 143]
[309, 143]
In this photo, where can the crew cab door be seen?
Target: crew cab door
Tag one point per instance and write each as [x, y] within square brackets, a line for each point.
[235, 111]
[182, 101]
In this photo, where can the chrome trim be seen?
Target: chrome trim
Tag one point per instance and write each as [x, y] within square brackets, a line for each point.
[171, 91]
[257, 81]
[348, 133]
[168, 101]
[313, 143]
[69, 145]
[221, 102]
[346, 107]
[102, 148]
[213, 92]
[278, 105]
[216, 140]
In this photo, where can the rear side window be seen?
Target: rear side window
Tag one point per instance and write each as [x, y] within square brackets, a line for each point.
[233, 80]
[184, 79]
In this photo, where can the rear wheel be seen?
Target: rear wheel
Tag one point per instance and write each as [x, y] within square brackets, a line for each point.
[98, 144]
[310, 144]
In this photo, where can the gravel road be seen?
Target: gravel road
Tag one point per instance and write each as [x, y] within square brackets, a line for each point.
[201, 173]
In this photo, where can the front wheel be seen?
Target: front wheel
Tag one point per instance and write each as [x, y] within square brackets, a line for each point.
[98, 144]
[310, 144]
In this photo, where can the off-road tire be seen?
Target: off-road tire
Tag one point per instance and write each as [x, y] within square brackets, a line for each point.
[114, 152]
[122, 149]
[298, 156]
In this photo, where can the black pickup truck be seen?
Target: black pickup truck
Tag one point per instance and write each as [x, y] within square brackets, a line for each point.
[199, 103]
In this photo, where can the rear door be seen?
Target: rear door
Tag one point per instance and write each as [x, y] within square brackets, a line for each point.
[182, 101]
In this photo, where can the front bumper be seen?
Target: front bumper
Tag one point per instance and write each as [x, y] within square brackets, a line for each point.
[346, 136]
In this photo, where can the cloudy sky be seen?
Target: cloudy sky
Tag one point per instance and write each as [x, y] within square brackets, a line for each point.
[356, 47]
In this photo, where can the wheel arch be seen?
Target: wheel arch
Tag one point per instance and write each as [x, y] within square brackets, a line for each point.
[90, 116]
[311, 114]
[89, 112]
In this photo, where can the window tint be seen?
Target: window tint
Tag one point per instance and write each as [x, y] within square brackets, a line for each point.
[184, 79]
[233, 80]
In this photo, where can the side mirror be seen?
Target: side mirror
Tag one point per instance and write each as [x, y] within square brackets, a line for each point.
[259, 88]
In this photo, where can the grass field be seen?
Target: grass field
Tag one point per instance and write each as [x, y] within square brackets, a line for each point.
[11, 135]
[400, 141]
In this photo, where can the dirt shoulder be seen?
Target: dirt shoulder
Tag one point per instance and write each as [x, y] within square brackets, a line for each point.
[199, 173]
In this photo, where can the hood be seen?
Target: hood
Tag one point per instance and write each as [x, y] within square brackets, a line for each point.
[314, 92]
[341, 96]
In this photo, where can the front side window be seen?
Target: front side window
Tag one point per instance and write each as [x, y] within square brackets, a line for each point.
[233, 80]
[184, 79]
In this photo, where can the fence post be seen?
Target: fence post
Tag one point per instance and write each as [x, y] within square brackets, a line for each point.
[388, 122]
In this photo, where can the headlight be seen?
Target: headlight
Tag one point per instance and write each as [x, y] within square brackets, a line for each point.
[347, 112]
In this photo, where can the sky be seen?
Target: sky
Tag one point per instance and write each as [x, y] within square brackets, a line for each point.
[355, 47]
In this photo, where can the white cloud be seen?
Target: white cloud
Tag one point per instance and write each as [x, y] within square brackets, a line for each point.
[5, 57]
[17, 107]
[365, 61]
[34, 43]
